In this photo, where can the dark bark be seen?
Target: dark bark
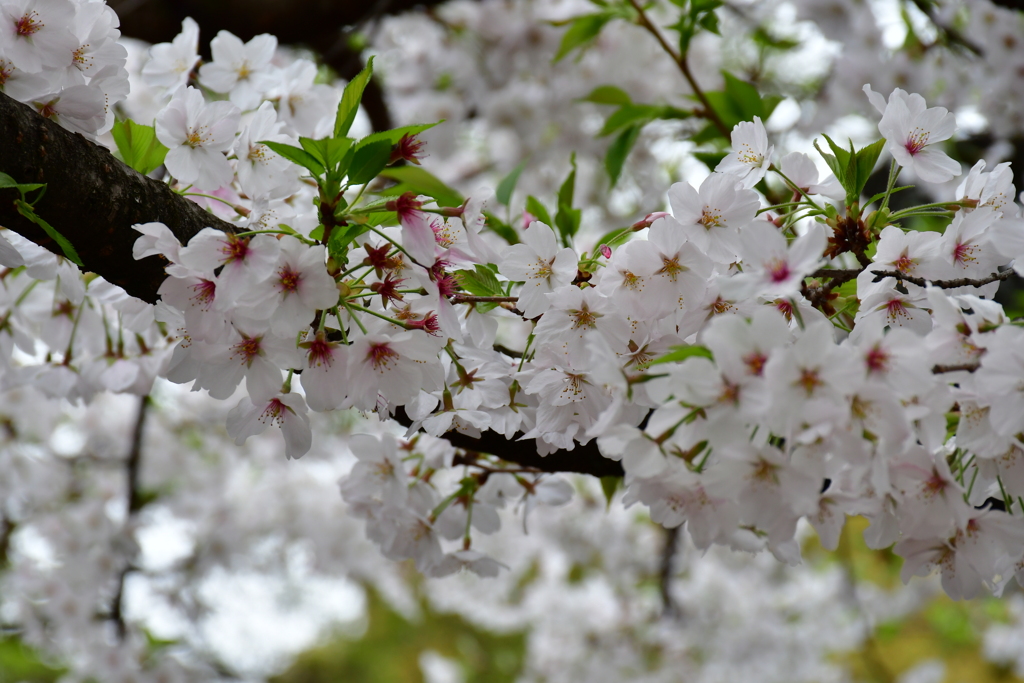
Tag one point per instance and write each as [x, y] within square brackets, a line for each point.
[91, 198]
[584, 459]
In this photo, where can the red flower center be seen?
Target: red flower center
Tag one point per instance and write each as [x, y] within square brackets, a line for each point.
[380, 355]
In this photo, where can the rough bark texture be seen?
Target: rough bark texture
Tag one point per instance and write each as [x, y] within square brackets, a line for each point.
[91, 198]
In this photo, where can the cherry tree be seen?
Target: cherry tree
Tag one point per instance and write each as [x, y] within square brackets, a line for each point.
[784, 341]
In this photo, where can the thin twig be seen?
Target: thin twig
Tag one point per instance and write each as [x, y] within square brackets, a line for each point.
[680, 60]
[966, 367]
[944, 284]
[669, 608]
[7, 527]
[134, 459]
[135, 503]
[843, 275]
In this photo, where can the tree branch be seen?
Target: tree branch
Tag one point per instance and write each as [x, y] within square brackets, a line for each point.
[944, 284]
[135, 503]
[684, 67]
[965, 367]
[585, 459]
[91, 198]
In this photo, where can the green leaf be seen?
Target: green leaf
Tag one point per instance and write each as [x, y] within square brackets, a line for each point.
[618, 151]
[7, 181]
[608, 94]
[137, 146]
[337, 149]
[867, 157]
[316, 148]
[739, 101]
[568, 188]
[705, 5]
[479, 282]
[349, 105]
[538, 211]
[581, 33]
[341, 237]
[745, 98]
[567, 219]
[501, 229]
[842, 155]
[396, 134]
[838, 169]
[368, 161]
[20, 662]
[609, 485]
[381, 218]
[420, 181]
[639, 114]
[26, 210]
[508, 184]
[681, 353]
[296, 155]
[709, 22]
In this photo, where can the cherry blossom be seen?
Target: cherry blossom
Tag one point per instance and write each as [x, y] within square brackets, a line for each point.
[910, 128]
[196, 134]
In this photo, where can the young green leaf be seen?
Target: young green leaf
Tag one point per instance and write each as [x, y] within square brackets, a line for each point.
[316, 148]
[26, 210]
[608, 94]
[628, 115]
[296, 155]
[538, 211]
[368, 161]
[350, 98]
[567, 219]
[479, 282]
[420, 181]
[508, 184]
[838, 169]
[501, 228]
[618, 151]
[867, 157]
[681, 353]
[609, 485]
[396, 134]
[7, 181]
[341, 237]
[581, 33]
[137, 146]
[337, 148]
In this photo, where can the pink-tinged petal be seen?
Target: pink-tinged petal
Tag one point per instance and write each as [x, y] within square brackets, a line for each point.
[418, 237]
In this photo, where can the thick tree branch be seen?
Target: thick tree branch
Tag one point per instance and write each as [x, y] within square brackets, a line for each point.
[91, 198]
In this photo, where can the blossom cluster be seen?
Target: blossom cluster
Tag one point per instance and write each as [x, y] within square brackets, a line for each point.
[63, 58]
[715, 350]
